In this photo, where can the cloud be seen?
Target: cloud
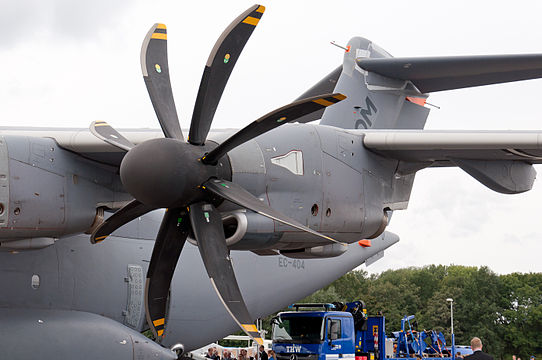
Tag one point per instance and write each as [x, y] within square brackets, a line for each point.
[21, 20]
[35, 20]
[79, 20]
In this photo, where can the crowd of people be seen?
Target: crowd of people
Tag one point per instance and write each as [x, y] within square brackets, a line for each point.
[213, 354]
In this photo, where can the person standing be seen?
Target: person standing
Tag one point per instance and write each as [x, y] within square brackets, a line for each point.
[262, 355]
[215, 354]
[227, 355]
[271, 355]
[476, 346]
[243, 354]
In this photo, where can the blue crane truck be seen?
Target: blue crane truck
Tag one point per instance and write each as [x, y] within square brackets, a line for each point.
[346, 332]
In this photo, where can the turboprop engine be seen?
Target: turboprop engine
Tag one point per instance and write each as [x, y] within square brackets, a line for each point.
[47, 192]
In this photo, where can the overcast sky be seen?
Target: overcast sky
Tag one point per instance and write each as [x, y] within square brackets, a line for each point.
[66, 63]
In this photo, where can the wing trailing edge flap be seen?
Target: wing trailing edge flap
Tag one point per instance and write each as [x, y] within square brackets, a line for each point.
[431, 74]
[502, 161]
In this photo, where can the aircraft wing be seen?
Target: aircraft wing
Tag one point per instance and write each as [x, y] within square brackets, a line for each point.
[501, 160]
[441, 147]
[82, 141]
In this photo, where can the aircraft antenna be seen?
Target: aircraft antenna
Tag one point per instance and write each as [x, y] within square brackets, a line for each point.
[346, 49]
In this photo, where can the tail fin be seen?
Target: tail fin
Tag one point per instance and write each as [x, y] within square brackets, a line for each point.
[389, 93]
[374, 101]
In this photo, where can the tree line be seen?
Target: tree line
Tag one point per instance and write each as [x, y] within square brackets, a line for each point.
[505, 311]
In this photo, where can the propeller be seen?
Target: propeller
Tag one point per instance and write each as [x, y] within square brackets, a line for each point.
[218, 69]
[190, 179]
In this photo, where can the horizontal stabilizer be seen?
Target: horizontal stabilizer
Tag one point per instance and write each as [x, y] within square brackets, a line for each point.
[430, 74]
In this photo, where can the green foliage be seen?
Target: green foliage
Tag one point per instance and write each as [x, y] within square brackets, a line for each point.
[522, 314]
[504, 311]
[148, 333]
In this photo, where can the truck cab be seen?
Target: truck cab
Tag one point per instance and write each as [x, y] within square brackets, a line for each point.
[314, 335]
[345, 331]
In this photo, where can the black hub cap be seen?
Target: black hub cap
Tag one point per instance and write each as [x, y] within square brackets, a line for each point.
[171, 177]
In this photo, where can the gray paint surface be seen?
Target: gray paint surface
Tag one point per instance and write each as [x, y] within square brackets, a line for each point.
[62, 334]
[78, 276]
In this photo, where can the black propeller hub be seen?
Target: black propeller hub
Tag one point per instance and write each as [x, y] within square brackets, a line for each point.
[165, 173]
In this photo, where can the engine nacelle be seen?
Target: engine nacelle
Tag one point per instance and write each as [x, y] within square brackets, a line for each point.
[245, 230]
[235, 227]
[47, 192]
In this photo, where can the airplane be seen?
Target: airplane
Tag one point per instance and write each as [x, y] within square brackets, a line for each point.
[281, 185]
[74, 299]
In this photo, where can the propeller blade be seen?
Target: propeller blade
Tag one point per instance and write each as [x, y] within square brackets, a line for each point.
[105, 132]
[241, 197]
[154, 66]
[218, 69]
[272, 120]
[124, 215]
[207, 226]
[165, 254]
